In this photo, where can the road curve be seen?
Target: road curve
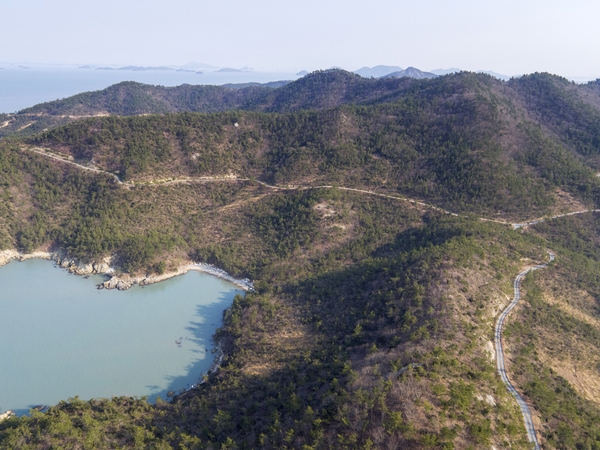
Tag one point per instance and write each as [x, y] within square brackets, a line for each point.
[43, 152]
[531, 435]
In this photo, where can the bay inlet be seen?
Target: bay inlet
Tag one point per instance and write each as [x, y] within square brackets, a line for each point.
[60, 337]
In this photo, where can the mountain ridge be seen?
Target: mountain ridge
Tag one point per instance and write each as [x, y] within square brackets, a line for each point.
[377, 71]
[321, 89]
[411, 72]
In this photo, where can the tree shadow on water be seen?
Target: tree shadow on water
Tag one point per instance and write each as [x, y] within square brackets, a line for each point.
[200, 338]
[21, 412]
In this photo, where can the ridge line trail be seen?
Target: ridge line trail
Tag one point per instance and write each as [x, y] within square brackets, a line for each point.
[500, 364]
[231, 177]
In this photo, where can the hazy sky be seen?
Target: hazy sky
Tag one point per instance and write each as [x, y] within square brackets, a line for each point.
[507, 36]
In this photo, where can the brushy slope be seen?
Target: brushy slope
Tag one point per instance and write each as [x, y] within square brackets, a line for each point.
[372, 319]
[297, 372]
[460, 142]
[418, 291]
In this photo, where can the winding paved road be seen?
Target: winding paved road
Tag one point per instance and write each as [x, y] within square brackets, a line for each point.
[500, 352]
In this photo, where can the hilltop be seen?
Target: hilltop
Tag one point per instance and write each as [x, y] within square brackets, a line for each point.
[321, 89]
[410, 72]
[377, 71]
[318, 90]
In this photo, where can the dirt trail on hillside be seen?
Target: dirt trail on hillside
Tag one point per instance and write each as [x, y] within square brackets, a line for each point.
[232, 177]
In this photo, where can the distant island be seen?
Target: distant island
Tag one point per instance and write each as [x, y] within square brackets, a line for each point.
[231, 70]
[500, 76]
[136, 68]
[192, 67]
[144, 69]
[141, 68]
[445, 71]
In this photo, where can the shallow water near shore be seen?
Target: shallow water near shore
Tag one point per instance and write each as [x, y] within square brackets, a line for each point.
[61, 337]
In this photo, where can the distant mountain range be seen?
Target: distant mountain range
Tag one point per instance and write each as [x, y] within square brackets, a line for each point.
[317, 90]
[500, 76]
[445, 71]
[377, 71]
[397, 72]
[411, 72]
[495, 74]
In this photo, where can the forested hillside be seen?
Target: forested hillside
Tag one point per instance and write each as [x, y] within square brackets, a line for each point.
[458, 141]
[322, 89]
[372, 323]
[546, 97]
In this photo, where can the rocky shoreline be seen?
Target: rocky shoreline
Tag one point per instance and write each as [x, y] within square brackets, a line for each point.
[124, 281]
[7, 415]
[61, 259]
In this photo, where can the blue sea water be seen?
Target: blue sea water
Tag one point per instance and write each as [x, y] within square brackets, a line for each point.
[21, 88]
[60, 337]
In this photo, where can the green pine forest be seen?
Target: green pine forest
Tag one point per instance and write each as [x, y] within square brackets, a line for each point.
[372, 317]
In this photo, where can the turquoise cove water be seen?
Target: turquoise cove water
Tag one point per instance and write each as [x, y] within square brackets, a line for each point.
[61, 337]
